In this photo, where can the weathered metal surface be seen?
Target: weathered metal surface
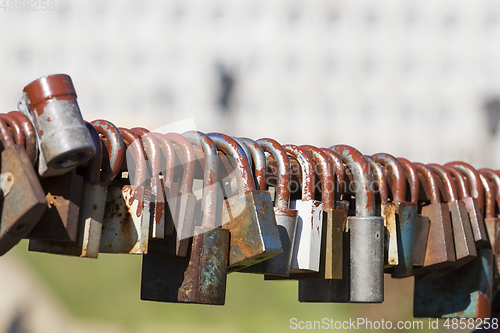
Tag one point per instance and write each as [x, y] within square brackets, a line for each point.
[465, 249]
[29, 134]
[473, 179]
[259, 162]
[15, 129]
[25, 204]
[465, 293]
[440, 252]
[50, 103]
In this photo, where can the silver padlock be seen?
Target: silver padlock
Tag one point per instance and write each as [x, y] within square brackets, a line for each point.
[366, 232]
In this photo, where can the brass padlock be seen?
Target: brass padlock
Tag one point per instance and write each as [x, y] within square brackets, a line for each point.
[249, 216]
[23, 201]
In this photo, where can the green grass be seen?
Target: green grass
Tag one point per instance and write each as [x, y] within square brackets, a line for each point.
[107, 290]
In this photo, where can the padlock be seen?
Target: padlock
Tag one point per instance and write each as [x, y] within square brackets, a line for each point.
[14, 128]
[126, 222]
[387, 211]
[405, 214]
[63, 139]
[491, 182]
[249, 216]
[366, 232]
[286, 218]
[94, 194]
[157, 202]
[23, 201]
[184, 221]
[29, 134]
[465, 249]
[474, 202]
[259, 162]
[422, 223]
[200, 277]
[440, 250]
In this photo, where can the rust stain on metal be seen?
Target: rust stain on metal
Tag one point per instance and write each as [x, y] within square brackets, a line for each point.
[307, 168]
[325, 173]
[473, 178]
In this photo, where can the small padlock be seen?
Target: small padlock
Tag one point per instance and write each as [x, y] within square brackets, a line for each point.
[94, 194]
[491, 182]
[474, 202]
[64, 141]
[157, 203]
[366, 232]
[23, 201]
[249, 216]
[200, 277]
[126, 220]
[465, 249]
[440, 250]
[406, 214]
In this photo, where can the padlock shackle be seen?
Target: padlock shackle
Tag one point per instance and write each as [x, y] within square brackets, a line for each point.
[429, 183]
[339, 168]
[494, 179]
[362, 177]
[94, 164]
[210, 175]
[16, 131]
[485, 176]
[248, 154]
[132, 140]
[412, 178]
[168, 151]
[307, 167]
[397, 179]
[324, 169]
[188, 161]
[113, 164]
[29, 134]
[228, 146]
[280, 155]
[379, 176]
[6, 138]
[152, 148]
[259, 161]
[460, 180]
[449, 188]
[474, 181]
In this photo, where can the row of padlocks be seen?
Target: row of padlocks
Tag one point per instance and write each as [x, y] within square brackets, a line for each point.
[331, 218]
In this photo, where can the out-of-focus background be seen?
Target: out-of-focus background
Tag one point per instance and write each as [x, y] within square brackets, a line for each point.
[419, 79]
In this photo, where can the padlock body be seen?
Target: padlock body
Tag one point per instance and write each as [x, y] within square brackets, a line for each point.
[366, 258]
[198, 278]
[388, 212]
[25, 203]
[89, 227]
[157, 208]
[60, 221]
[184, 225]
[476, 221]
[464, 293]
[249, 216]
[465, 249]
[406, 216]
[126, 220]
[493, 229]
[421, 235]
[307, 245]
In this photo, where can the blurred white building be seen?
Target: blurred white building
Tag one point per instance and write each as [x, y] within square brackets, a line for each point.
[410, 77]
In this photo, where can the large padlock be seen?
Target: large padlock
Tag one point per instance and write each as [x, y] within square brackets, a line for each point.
[366, 232]
[184, 221]
[23, 201]
[405, 214]
[465, 249]
[440, 250]
[200, 277]
[422, 223]
[95, 186]
[63, 140]
[491, 182]
[249, 215]
[126, 219]
[157, 202]
[474, 201]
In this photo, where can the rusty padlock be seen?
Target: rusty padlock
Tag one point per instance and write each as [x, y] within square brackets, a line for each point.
[126, 220]
[94, 194]
[200, 277]
[474, 203]
[23, 201]
[405, 214]
[366, 232]
[29, 134]
[64, 141]
[249, 216]
[491, 183]
[465, 249]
